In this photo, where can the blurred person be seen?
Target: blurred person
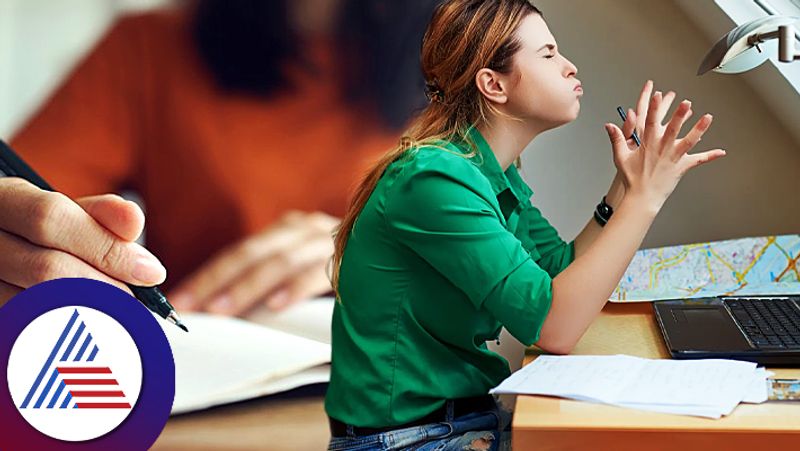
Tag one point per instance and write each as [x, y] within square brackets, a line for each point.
[241, 124]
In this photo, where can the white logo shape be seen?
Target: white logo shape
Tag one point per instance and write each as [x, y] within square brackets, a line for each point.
[74, 373]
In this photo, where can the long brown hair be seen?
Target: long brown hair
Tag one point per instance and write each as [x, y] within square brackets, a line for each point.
[463, 37]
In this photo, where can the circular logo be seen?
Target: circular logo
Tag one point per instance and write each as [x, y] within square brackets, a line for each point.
[62, 349]
[87, 366]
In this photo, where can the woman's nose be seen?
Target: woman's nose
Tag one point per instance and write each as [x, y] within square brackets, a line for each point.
[571, 69]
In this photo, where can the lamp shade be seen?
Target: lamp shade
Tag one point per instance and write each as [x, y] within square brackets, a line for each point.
[732, 54]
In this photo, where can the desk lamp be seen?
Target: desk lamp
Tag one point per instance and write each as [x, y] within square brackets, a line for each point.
[750, 44]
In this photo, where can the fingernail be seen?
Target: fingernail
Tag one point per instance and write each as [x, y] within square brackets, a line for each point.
[221, 304]
[148, 271]
[278, 300]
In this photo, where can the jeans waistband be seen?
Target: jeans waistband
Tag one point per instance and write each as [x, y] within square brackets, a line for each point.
[452, 408]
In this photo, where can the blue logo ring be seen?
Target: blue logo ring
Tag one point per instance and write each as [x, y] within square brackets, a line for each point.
[148, 417]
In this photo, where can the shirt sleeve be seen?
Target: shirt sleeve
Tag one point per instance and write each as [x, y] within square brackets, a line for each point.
[82, 139]
[444, 213]
[555, 253]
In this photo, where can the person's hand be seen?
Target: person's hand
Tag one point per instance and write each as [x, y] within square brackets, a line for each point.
[45, 236]
[654, 169]
[283, 264]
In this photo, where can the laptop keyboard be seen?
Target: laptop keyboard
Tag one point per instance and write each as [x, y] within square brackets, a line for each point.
[768, 323]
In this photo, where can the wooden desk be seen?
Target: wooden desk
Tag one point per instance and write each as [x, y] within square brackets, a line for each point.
[297, 422]
[545, 423]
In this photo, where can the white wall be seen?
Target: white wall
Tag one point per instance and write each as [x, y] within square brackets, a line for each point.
[617, 45]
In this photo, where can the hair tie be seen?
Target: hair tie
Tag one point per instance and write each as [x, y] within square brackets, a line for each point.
[433, 92]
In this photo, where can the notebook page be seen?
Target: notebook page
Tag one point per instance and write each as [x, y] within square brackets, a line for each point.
[314, 375]
[223, 355]
[310, 319]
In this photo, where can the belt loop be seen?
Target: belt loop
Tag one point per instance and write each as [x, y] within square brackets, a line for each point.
[350, 432]
[449, 415]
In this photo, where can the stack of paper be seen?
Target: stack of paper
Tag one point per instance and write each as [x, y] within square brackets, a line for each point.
[707, 388]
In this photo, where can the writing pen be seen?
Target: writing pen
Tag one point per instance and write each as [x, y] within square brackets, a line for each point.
[625, 118]
[11, 165]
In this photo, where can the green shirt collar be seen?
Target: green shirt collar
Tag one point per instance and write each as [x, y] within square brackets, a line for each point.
[488, 165]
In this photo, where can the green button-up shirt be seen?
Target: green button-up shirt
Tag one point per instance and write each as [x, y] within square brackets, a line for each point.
[447, 250]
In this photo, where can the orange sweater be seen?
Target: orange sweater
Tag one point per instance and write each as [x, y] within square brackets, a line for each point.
[141, 112]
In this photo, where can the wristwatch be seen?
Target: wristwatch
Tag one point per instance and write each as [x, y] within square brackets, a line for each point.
[603, 212]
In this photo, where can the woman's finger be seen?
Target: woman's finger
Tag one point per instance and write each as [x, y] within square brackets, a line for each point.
[698, 159]
[266, 276]
[691, 139]
[618, 143]
[52, 220]
[651, 126]
[122, 217]
[682, 113]
[642, 104]
[202, 286]
[664, 107]
[25, 265]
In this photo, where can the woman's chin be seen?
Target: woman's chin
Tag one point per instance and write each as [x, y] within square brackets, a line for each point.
[575, 111]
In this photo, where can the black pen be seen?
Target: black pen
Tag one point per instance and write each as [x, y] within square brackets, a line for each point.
[625, 118]
[12, 165]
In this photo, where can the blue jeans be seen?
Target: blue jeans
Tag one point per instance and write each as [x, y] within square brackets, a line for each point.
[482, 431]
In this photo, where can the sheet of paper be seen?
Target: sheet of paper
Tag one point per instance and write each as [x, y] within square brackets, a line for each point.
[578, 377]
[714, 382]
[709, 388]
[223, 357]
[757, 391]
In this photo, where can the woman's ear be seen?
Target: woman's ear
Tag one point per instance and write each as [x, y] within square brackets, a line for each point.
[490, 85]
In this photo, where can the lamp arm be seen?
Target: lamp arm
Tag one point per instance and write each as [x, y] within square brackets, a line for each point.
[785, 36]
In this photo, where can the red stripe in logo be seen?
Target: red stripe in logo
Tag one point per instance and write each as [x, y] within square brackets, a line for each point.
[84, 370]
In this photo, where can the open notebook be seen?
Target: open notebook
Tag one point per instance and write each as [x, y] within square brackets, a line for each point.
[223, 360]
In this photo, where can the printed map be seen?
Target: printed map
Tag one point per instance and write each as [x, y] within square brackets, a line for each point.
[748, 266]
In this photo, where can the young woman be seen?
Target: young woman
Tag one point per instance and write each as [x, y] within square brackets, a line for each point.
[441, 246]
